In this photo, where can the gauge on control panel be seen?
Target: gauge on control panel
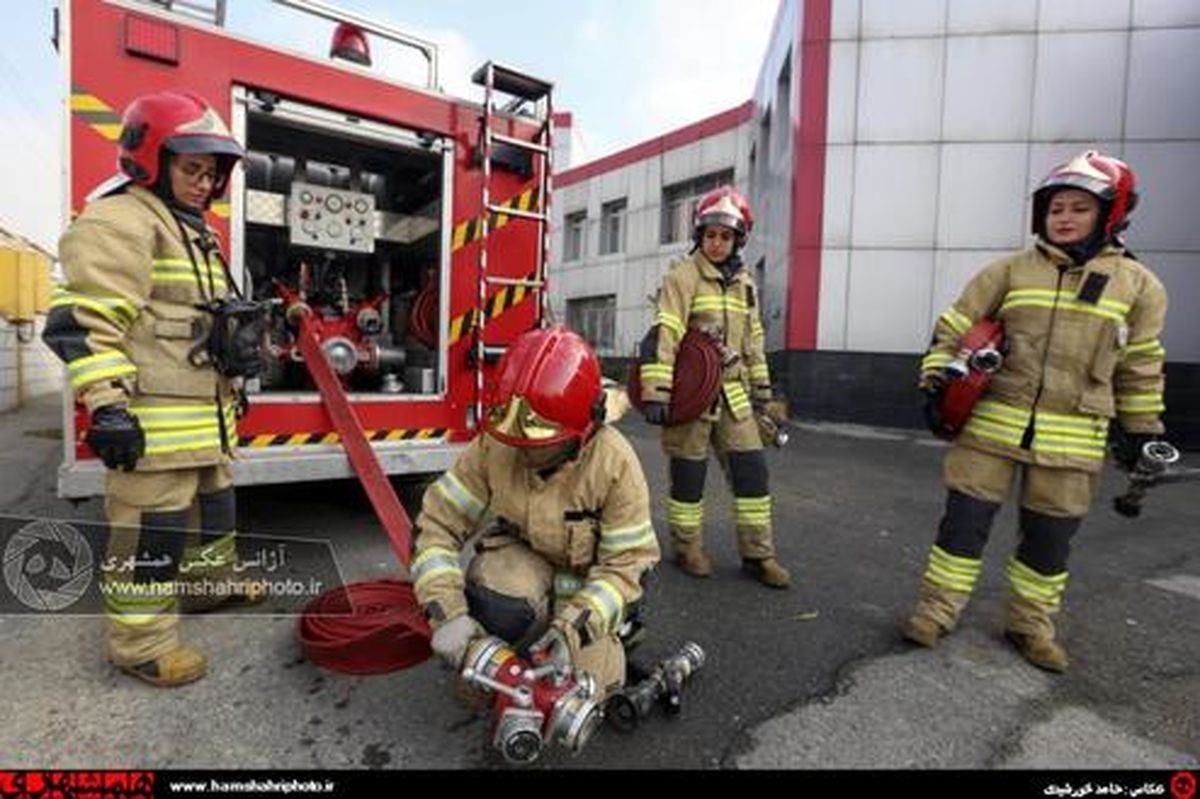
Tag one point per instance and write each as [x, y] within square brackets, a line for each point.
[319, 216]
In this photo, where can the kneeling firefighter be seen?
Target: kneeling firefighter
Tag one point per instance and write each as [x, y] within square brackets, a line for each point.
[155, 350]
[559, 569]
[1082, 320]
[710, 293]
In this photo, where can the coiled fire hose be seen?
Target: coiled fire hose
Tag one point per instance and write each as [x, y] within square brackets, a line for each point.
[697, 378]
[368, 627]
[423, 319]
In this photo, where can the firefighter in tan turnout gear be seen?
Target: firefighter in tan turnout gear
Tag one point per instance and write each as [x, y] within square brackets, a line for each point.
[711, 291]
[131, 323]
[1082, 320]
[565, 508]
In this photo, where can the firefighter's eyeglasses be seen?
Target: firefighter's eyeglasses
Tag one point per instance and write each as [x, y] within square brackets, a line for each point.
[517, 419]
[194, 173]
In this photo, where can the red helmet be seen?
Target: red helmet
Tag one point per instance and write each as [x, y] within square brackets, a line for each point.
[548, 391]
[178, 122]
[723, 206]
[1108, 179]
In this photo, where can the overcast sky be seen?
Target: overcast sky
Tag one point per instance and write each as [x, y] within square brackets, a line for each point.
[627, 69]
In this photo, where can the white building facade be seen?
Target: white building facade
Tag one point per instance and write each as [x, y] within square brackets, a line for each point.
[619, 223]
[890, 151]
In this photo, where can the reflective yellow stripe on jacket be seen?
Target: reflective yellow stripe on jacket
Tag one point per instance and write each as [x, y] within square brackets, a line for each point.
[738, 399]
[1082, 435]
[180, 270]
[670, 321]
[101, 366]
[1064, 301]
[619, 539]
[181, 428]
[718, 303]
[434, 562]
[119, 311]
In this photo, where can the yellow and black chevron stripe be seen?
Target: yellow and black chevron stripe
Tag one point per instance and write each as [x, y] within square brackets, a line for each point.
[302, 439]
[472, 229]
[504, 299]
[95, 113]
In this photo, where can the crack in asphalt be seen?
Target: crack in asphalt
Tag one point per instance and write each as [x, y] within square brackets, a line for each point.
[840, 683]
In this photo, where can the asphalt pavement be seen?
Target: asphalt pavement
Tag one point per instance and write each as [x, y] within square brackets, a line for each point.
[816, 677]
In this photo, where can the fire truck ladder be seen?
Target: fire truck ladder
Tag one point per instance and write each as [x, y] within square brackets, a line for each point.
[521, 88]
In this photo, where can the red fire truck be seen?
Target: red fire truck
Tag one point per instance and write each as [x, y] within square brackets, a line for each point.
[409, 225]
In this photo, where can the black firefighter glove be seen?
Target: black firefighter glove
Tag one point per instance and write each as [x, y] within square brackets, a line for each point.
[931, 391]
[655, 412]
[1127, 447]
[116, 437]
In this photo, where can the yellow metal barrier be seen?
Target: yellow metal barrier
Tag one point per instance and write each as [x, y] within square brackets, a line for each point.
[24, 283]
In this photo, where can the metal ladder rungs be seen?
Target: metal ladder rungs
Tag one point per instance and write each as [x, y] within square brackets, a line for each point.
[515, 281]
[520, 143]
[534, 215]
[513, 82]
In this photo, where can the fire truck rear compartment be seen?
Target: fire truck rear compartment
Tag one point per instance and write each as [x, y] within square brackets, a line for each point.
[349, 227]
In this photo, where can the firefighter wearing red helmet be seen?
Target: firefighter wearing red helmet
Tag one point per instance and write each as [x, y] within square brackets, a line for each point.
[710, 290]
[141, 265]
[1082, 319]
[559, 566]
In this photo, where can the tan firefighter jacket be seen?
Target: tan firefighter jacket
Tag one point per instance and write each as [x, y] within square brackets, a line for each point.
[590, 519]
[694, 295]
[125, 321]
[1083, 347]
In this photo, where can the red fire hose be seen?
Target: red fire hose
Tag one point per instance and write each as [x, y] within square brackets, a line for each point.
[423, 320]
[369, 627]
[697, 379]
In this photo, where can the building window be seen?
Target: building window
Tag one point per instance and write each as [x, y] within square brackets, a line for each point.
[594, 318]
[783, 110]
[679, 204]
[573, 228]
[612, 227]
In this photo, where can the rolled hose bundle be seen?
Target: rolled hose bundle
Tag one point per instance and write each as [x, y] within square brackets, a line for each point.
[365, 628]
[696, 382]
[423, 320]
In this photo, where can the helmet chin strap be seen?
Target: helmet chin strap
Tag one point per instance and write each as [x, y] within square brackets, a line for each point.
[566, 452]
[192, 217]
[1083, 251]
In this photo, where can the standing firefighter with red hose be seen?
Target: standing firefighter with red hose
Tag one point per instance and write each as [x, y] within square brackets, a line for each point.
[710, 292]
[558, 572]
[1081, 320]
[136, 324]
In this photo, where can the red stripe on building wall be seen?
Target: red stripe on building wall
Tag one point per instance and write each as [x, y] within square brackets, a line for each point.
[808, 177]
[711, 126]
